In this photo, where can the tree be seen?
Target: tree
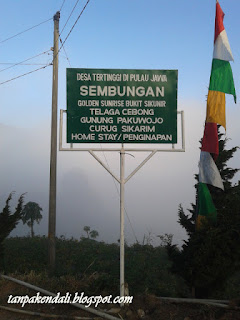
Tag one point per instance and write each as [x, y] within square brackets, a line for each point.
[31, 213]
[8, 222]
[166, 239]
[94, 234]
[87, 230]
[91, 233]
[211, 254]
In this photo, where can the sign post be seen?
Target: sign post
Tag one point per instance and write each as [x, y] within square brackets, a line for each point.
[122, 107]
[122, 238]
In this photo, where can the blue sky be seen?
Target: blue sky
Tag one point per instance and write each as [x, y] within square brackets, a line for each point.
[123, 34]
[111, 34]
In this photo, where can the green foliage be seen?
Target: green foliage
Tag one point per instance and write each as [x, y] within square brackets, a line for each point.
[211, 254]
[31, 213]
[147, 270]
[8, 222]
[29, 254]
[97, 264]
[188, 223]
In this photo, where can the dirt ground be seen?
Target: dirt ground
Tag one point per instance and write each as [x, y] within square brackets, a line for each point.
[144, 307]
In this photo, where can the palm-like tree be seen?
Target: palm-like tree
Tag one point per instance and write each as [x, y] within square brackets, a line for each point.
[90, 233]
[30, 214]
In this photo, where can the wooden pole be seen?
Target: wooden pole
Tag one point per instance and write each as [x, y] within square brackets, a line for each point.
[53, 155]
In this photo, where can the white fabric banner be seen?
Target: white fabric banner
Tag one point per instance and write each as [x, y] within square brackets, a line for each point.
[208, 171]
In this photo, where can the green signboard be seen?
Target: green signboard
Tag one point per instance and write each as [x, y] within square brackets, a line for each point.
[121, 106]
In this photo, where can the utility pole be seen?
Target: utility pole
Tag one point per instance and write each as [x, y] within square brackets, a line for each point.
[53, 154]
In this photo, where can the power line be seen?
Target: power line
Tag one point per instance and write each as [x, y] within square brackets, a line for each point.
[69, 16]
[62, 5]
[65, 52]
[63, 42]
[24, 31]
[22, 75]
[119, 195]
[16, 64]
[22, 64]
[75, 24]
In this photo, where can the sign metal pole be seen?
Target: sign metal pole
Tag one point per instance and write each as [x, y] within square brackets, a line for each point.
[122, 185]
